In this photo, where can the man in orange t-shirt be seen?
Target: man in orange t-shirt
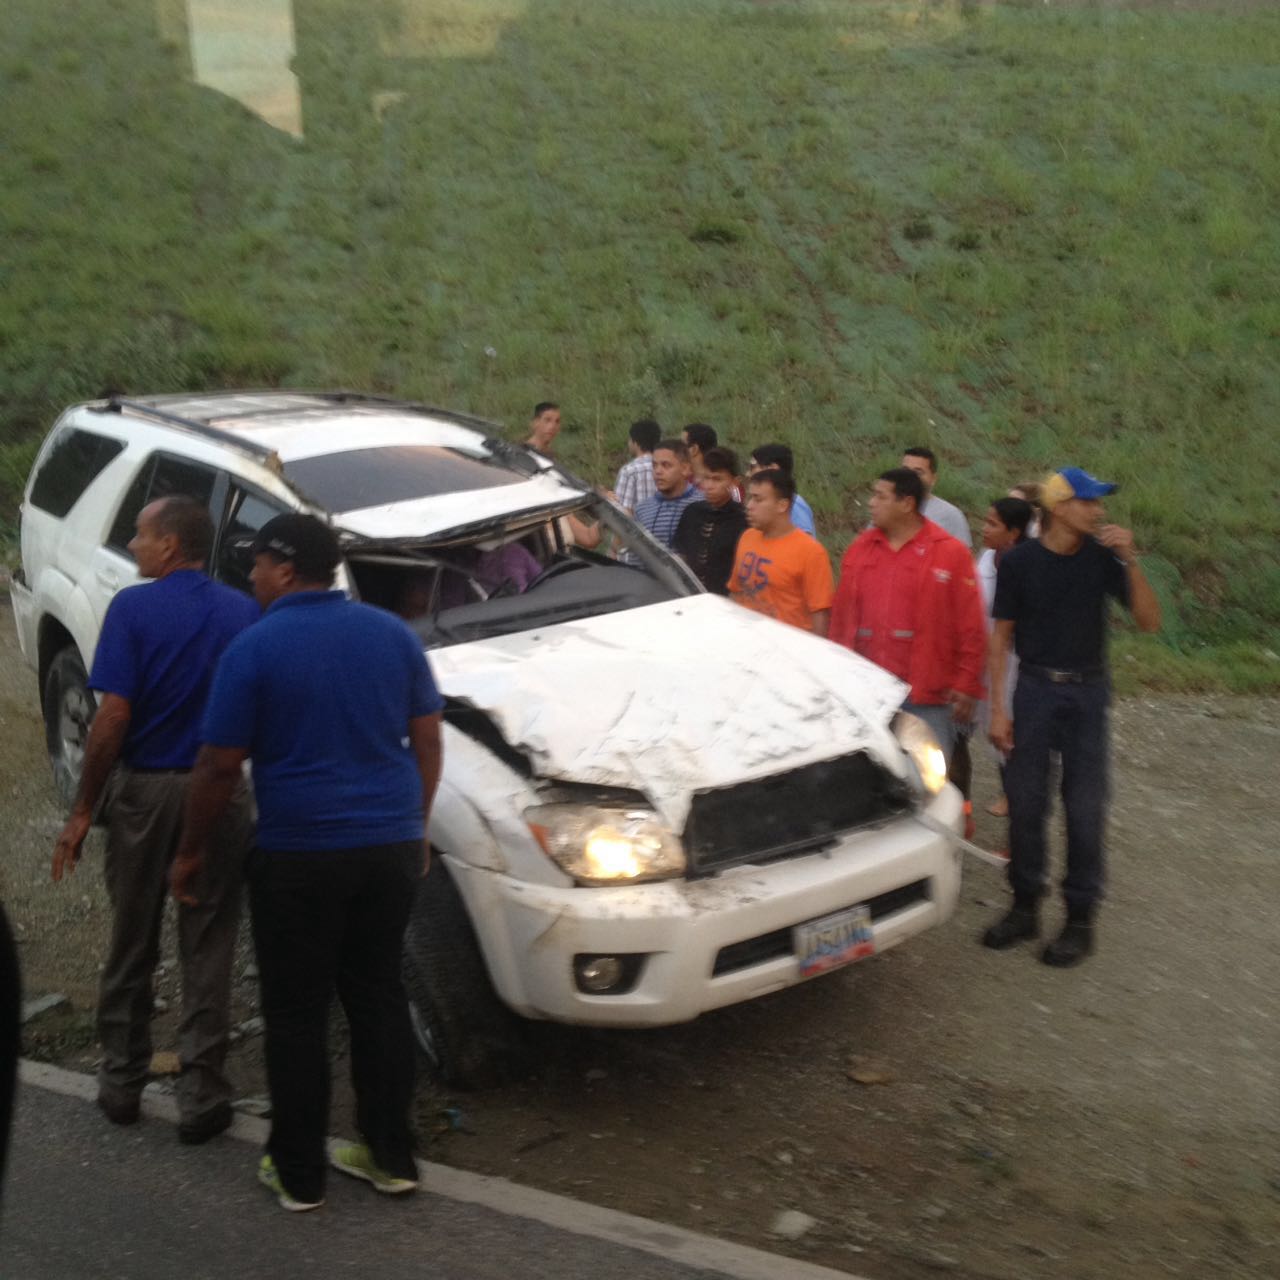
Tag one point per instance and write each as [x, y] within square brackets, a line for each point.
[779, 570]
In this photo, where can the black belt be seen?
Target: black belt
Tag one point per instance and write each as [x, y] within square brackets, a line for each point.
[1083, 675]
[177, 773]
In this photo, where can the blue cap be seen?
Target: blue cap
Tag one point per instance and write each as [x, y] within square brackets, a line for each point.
[1072, 482]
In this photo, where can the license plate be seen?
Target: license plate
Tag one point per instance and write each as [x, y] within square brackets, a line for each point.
[835, 940]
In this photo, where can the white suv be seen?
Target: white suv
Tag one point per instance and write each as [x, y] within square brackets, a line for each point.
[654, 803]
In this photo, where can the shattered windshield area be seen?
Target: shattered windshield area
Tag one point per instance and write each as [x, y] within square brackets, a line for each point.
[509, 578]
[359, 478]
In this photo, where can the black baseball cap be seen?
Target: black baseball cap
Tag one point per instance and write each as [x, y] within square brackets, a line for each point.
[305, 541]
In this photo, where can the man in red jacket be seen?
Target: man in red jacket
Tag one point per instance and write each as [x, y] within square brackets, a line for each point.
[908, 600]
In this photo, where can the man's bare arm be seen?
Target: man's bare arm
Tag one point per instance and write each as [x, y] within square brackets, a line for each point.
[424, 738]
[106, 739]
[1143, 602]
[820, 622]
[1001, 732]
[213, 781]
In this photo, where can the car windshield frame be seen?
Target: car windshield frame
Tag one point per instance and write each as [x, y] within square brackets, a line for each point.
[652, 563]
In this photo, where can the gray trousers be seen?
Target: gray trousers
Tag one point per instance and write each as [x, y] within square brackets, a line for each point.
[144, 823]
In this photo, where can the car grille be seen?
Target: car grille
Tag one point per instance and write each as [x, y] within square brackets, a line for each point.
[789, 813]
[769, 946]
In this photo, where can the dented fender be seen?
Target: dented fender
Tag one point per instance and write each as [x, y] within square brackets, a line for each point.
[477, 816]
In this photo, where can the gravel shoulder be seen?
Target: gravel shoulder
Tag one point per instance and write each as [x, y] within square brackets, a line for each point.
[1119, 1120]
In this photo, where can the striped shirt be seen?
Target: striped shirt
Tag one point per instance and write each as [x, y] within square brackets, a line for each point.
[660, 515]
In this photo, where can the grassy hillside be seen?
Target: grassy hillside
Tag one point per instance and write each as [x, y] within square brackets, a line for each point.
[1027, 234]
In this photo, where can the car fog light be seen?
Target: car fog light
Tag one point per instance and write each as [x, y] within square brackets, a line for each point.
[606, 975]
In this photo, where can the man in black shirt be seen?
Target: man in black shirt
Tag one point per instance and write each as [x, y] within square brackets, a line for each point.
[1051, 606]
[707, 535]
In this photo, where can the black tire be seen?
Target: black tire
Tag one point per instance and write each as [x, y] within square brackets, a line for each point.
[68, 712]
[468, 1036]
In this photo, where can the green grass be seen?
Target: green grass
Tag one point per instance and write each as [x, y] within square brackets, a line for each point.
[1025, 234]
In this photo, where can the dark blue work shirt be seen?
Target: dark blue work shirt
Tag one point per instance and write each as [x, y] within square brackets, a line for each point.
[1058, 603]
[159, 646]
[320, 694]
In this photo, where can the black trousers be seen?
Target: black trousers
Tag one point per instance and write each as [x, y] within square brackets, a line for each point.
[326, 920]
[1070, 720]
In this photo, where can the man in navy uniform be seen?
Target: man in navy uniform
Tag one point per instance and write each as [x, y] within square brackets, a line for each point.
[1051, 608]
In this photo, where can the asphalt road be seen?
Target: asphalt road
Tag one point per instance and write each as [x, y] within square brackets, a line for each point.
[88, 1200]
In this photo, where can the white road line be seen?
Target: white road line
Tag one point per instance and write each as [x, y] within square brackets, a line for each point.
[675, 1244]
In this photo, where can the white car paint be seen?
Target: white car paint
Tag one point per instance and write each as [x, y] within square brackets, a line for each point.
[674, 698]
[668, 700]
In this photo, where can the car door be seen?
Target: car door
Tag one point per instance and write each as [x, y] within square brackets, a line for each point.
[162, 475]
[247, 510]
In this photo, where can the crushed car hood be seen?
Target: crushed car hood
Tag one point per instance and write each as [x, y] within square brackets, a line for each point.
[673, 698]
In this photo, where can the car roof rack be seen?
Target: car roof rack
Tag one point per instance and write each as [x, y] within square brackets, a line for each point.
[340, 397]
[414, 406]
[517, 456]
[122, 404]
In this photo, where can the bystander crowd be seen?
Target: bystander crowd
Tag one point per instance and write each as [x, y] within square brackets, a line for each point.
[334, 704]
[154, 662]
[779, 456]
[1051, 610]
[780, 570]
[635, 478]
[700, 437]
[707, 536]
[544, 427]
[908, 600]
[924, 462]
[1003, 527]
[674, 490]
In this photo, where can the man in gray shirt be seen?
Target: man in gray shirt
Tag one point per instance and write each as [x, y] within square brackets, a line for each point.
[924, 462]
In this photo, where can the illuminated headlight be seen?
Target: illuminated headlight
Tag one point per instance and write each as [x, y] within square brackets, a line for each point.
[917, 740]
[598, 845]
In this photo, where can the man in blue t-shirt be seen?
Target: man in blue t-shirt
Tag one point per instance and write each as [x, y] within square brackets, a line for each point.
[334, 703]
[159, 645]
[1051, 607]
[781, 456]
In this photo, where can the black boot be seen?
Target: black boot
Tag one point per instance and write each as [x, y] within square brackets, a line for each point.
[1022, 920]
[1074, 943]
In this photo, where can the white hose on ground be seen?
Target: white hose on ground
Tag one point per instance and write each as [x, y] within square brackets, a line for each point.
[968, 846]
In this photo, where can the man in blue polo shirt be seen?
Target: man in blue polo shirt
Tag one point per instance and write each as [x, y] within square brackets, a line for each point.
[154, 663]
[334, 703]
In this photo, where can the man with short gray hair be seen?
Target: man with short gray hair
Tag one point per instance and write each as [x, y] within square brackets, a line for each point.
[154, 663]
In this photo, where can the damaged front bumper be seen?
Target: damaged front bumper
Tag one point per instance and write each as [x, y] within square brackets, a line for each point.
[703, 944]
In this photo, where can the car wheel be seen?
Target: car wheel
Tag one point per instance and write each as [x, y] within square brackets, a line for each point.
[68, 712]
[469, 1037]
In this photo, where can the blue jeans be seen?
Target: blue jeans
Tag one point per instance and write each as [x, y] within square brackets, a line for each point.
[1070, 719]
[940, 721]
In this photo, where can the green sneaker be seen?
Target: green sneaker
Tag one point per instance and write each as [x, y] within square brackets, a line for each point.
[269, 1176]
[357, 1161]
